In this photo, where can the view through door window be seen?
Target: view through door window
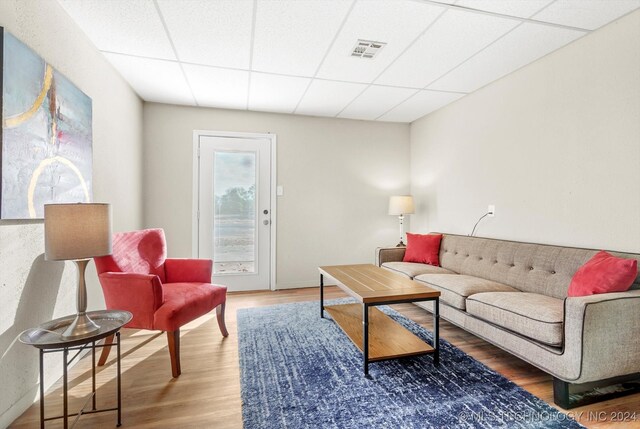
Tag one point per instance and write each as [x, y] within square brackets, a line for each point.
[234, 229]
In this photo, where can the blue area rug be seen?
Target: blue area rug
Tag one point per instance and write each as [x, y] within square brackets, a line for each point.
[300, 371]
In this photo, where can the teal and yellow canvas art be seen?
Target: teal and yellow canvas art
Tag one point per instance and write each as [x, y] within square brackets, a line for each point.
[46, 135]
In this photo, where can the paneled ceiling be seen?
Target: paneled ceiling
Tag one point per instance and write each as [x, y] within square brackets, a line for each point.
[294, 56]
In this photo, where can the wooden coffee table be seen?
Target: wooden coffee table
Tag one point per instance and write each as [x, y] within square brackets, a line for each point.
[372, 286]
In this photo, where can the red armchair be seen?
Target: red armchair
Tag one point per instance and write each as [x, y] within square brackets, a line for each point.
[162, 294]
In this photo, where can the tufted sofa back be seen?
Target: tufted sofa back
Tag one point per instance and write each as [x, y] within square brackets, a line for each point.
[529, 267]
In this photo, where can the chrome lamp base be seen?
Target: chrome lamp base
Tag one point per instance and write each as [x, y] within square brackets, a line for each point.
[82, 325]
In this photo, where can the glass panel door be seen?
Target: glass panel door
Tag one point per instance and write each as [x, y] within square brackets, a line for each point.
[234, 219]
[234, 210]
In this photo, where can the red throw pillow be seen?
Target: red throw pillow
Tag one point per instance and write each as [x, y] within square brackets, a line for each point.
[602, 274]
[423, 248]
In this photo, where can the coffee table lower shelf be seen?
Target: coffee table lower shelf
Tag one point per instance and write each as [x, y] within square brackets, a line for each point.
[387, 338]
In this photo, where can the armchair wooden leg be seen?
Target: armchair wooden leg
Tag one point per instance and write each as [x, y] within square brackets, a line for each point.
[221, 324]
[174, 351]
[105, 350]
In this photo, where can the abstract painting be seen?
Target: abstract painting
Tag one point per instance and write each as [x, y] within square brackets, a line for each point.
[46, 136]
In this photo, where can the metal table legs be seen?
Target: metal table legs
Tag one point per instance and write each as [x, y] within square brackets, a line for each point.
[365, 333]
[365, 337]
[41, 389]
[65, 384]
[321, 296]
[436, 331]
[118, 381]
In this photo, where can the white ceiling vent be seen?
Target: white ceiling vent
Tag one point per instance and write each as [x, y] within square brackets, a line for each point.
[367, 48]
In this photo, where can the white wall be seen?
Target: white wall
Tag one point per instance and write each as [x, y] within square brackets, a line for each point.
[555, 146]
[337, 176]
[32, 290]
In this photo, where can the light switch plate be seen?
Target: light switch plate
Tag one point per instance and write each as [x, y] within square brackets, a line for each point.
[279, 191]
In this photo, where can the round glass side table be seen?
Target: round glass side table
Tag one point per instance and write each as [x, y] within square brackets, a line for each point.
[48, 339]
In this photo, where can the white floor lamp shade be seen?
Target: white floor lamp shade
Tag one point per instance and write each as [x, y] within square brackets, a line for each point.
[400, 205]
[77, 232]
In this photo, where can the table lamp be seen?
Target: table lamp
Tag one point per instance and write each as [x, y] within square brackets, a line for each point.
[400, 205]
[77, 232]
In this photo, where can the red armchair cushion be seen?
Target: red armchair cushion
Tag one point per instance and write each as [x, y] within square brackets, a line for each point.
[603, 273]
[142, 252]
[188, 270]
[140, 294]
[423, 248]
[184, 302]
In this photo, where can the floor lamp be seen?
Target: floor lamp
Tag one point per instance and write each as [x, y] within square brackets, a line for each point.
[77, 232]
[400, 205]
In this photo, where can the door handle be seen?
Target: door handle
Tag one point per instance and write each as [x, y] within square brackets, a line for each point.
[266, 221]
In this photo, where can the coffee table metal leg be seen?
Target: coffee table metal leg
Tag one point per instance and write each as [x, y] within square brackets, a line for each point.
[365, 337]
[436, 331]
[321, 296]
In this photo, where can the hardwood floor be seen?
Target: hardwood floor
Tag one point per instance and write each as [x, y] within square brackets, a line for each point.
[207, 394]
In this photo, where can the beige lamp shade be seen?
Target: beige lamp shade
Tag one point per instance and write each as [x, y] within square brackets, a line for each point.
[76, 231]
[401, 205]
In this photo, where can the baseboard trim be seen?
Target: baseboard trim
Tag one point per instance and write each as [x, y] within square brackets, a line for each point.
[33, 395]
[298, 285]
[19, 407]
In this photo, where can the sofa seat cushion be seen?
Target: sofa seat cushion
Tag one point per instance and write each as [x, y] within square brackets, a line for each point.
[535, 316]
[454, 290]
[412, 269]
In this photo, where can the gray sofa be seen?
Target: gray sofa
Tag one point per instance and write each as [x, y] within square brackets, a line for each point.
[514, 295]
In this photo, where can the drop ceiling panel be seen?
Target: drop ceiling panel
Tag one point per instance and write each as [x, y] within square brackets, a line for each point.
[519, 8]
[589, 14]
[264, 54]
[422, 103]
[525, 44]
[154, 80]
[375, 101]
[216, 33]
[292, 37]
[276, 93]
[452, 39]
[217, 87]
[129, 27]
[394, 22]
[328, 98]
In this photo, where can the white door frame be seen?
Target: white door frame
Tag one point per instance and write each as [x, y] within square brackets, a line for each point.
[196, 191]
